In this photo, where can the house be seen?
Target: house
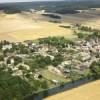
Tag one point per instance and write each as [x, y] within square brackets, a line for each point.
[17, 73]
[24, 66]
[85, 56]
[14, 69]
[8, 46]
[66, 63]
[43, 48]
[12, 61]
[66, 71]
[56, 82]
[52, 49]
[38, 76]
[54, 70]
[22, 55]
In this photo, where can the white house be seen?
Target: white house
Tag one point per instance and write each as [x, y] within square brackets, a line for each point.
[9, 46]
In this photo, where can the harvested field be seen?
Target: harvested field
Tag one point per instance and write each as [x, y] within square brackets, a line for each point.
[29, 26]
[90, 91]
[89, 18]
[16, 27]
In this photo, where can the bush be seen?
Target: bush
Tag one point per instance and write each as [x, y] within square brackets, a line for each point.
[95, 69]
[57, 60]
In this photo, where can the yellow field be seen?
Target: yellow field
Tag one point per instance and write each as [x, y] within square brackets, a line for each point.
[29, 26]
[16, 27]
[89, 91]
[93, 23]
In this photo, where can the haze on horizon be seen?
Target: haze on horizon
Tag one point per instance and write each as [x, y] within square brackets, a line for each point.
[25, 0]
[1, 1]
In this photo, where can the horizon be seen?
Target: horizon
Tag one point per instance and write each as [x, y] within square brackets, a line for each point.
[14, 1]
[19, 1]
[11, 1]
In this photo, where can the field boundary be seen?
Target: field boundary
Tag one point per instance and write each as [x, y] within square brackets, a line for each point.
[59, 89]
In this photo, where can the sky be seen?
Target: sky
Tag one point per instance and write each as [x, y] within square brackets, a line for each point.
[25, 0]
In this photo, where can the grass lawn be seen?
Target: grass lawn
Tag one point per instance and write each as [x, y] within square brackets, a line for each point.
[52, 76]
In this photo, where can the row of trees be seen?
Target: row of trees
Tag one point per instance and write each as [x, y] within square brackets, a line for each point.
[86, 28]
[88, 36]
[40, 61]
[52, 16]
[59, 42]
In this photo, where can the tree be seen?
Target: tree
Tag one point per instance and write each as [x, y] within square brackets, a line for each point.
[44, 85]
[95, 69]
[80, 35]
[1, 57]
[13, 87]
[17, 60]
[57, 60]
[59, 42]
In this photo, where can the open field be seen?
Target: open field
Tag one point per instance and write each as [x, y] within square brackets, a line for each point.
[89, 18]
[16, 27]
[29, 26]
[89, 91]
[50, 75]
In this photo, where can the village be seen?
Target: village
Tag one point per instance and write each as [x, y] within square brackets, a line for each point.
[49, 49]
[52, 60]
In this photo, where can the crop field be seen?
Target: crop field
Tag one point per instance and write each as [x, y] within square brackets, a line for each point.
[90, 91]
[23, 26]
[16, 27]
[30, 26]
[19, 24]
[89, 18]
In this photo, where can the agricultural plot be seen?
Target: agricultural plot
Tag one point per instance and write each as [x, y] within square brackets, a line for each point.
[89, 91]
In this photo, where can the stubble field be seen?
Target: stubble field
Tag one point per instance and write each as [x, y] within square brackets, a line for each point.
[30, 26]
[89, 91]
[16, 27]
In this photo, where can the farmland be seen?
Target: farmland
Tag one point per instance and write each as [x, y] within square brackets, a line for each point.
[89, 91]
[18, 27]
[47, 45]
[29, 23]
